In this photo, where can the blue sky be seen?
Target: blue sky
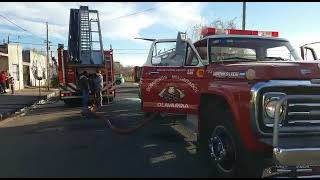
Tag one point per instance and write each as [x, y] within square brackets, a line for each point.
[295, 21]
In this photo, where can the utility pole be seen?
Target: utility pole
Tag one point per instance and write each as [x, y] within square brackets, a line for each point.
[48, 69]
[243, 15]
[51, 67]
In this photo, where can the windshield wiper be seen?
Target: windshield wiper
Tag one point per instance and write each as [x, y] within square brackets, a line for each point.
[278, 58]
[237, 58]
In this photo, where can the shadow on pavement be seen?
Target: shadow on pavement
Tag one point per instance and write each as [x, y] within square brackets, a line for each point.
[59, 142]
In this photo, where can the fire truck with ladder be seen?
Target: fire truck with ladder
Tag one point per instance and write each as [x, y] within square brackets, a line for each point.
[251, 100]
[85, 53]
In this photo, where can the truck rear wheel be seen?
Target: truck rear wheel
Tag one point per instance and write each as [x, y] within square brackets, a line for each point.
[111, 99]
[72, 103]
[118, 82]
[224, 149]
[107, 99]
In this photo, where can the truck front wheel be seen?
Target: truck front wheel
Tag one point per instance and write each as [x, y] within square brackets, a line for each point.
[118, 82]
[224, 149]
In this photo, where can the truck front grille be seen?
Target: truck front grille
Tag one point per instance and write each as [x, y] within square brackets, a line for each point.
[302, 113]
[299, 113]
[302, 117]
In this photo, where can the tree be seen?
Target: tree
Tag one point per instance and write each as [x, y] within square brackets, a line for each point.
[126, 71]
[218, 23]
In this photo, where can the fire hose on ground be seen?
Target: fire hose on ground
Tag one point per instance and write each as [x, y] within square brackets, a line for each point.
[117, 130]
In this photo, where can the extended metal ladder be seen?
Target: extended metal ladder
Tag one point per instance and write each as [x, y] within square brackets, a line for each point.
[110, 79]
[87, 48]
[85, 44]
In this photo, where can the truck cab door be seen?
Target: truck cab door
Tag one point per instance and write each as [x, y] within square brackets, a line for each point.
[171, 83]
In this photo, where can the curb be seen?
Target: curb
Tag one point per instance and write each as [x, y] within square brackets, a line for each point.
[23, 110]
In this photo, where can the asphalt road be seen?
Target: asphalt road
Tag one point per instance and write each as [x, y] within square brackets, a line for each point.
[56, 141]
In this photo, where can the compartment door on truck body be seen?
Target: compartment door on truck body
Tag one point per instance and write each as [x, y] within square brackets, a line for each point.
[171, 83]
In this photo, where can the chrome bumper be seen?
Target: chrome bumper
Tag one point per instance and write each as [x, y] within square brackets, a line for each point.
[298, 156]
[293, 156]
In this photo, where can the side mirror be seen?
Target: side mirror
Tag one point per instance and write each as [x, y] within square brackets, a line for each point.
[156, 60]
[183, 36]
[137, 73]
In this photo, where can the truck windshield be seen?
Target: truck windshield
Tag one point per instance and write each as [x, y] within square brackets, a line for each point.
[250, 49]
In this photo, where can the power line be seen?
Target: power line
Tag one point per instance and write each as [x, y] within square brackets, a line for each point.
[120, 49]
[135, 13]
[21, 27]
[130, 49]
[13, 23]
[123, 16]
[42, 50]
[132, 14]
[113, 52]
[129, 53]
[32, 43]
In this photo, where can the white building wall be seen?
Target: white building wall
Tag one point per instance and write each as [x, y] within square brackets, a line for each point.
[15, 64]
[38, 64]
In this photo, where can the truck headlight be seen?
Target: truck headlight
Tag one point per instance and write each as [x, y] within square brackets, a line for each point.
[269, 108]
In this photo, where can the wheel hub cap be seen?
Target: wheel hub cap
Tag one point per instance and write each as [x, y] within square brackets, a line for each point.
[218, 151]
[222, 149]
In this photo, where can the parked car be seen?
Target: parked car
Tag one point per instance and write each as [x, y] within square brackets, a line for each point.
[119, 79]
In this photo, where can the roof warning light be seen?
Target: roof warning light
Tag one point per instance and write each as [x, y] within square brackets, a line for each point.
[213, 31]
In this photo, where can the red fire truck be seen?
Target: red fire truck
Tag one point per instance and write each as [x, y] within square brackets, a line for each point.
[250, 98]
[85, 53]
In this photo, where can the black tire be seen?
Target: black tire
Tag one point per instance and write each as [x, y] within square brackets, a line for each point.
[237, 161]
[107, 99]
[68, 103]
[72, 103]
[118, 82]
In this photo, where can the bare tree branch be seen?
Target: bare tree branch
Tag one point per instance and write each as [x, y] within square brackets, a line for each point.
[218, 23]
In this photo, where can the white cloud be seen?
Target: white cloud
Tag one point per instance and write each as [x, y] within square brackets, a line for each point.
[33, 15]
[180, 15]
[172, 16]
[127, 28]
[131, 59]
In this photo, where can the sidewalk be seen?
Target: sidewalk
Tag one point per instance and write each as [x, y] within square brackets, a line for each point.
[9, 103]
